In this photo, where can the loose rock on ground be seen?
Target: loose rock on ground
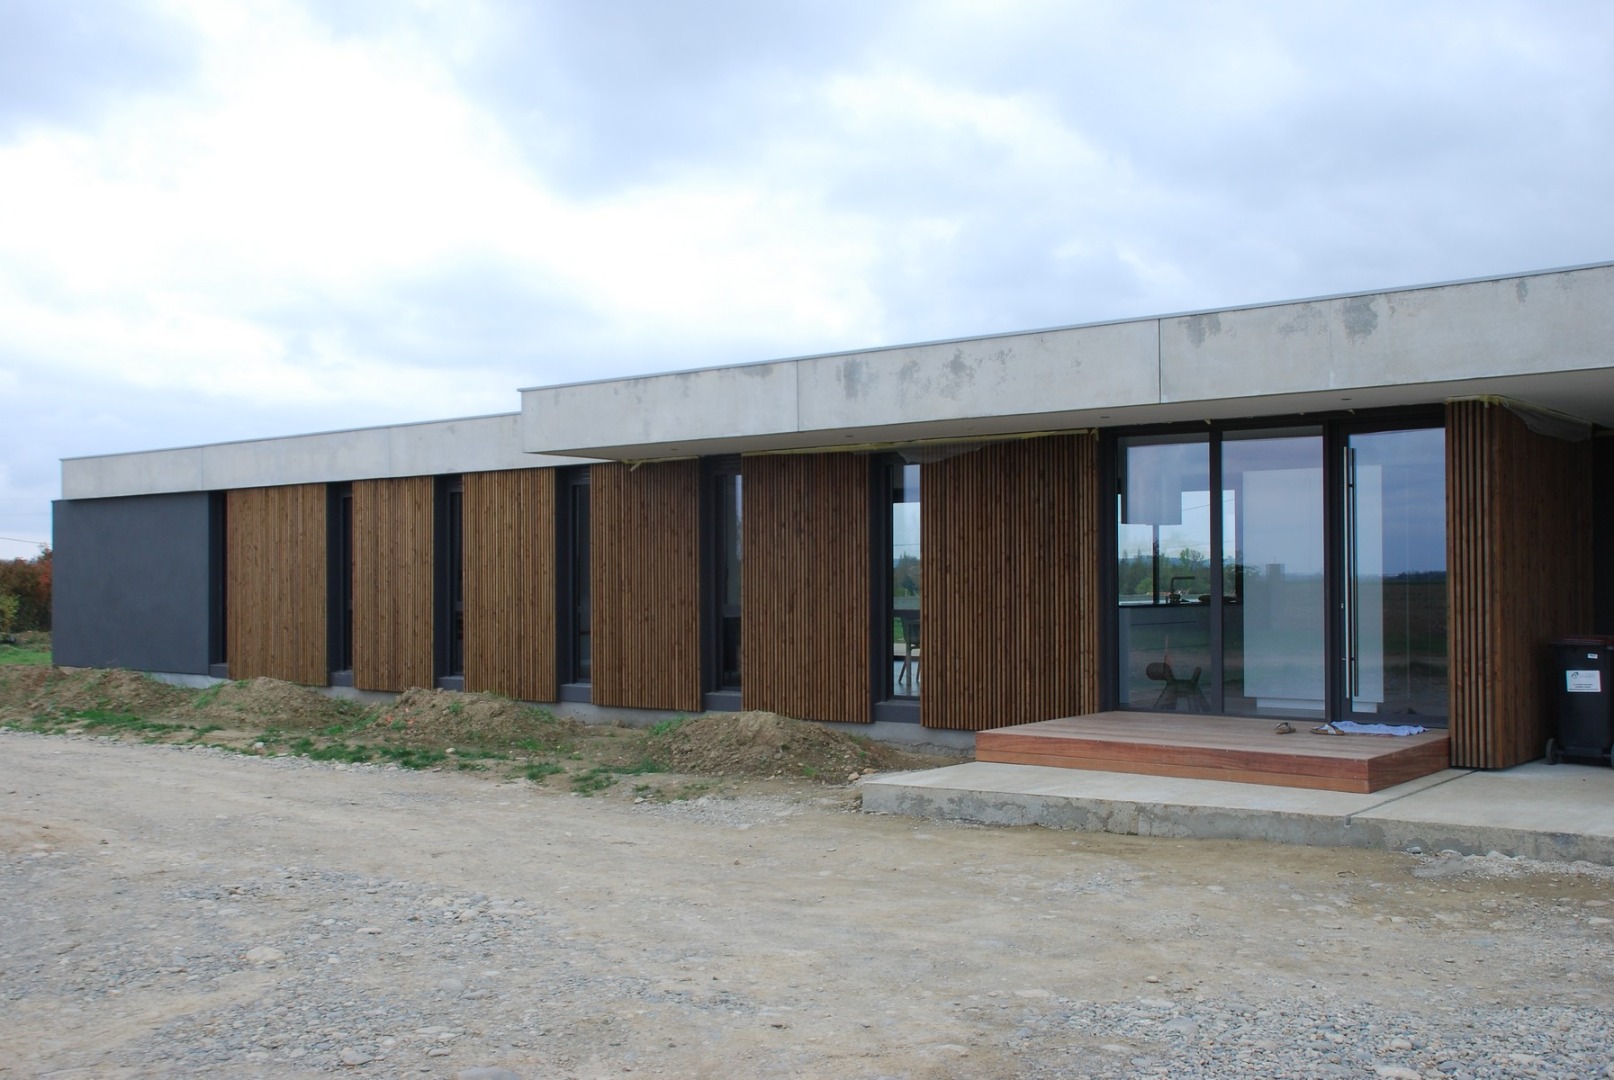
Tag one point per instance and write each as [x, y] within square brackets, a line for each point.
[174, 911]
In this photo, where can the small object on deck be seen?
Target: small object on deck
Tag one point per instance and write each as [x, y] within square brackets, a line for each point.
[1285, 728]
[1326, 729]
[1351, 727]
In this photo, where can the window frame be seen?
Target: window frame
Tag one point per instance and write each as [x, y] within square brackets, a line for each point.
[888, 707]
[717, 473]
[573, 583]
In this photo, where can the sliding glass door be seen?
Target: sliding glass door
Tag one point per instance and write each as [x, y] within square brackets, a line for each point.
[1256, 577]
[1275, 603]
[1395, 575]
[1165, 586]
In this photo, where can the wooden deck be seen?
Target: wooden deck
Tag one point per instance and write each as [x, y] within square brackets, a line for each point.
[1219, 748]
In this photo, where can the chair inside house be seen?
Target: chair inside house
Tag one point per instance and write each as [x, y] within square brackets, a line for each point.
[907, 675]
[1174, 691]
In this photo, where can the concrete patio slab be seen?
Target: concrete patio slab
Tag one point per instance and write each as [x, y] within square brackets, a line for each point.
[1558, 812]
[1563, 812]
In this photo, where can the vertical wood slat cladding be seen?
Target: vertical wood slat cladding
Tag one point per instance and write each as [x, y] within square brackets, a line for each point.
[275, 551]
[644, 551]
[1518, 527]
[509, 578]
[393, 549]
[805, 597]
[1011, 596]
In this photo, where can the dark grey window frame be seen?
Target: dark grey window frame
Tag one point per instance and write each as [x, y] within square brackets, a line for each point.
[716, 473]
[218, 592]
[339, 583]
[1336, 428]
[448, 600]
[888, 708]
[573, 588]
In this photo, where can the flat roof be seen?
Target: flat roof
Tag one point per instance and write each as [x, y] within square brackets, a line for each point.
[1544, 337]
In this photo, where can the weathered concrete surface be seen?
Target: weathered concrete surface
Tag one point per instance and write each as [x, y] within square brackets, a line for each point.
[1562, 813]
[476, 444]
[1545, 338]
[1477, 330]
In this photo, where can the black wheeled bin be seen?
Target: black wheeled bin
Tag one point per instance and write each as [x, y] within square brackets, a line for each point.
[1583, 672]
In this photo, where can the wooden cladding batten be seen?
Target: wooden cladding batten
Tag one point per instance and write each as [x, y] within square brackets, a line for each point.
[805, 586]
[1518, 530]
[275, 551]
[645, 572]
[509, 578]
[1011, 597]
[392, 582]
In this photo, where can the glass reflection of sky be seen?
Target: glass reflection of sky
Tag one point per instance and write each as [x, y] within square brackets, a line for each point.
[904, 530]
[1413, 464]
[1414, 493]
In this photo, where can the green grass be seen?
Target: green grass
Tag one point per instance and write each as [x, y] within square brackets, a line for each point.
[411, 757]
[18, 654]
[206, 696]
[335, 751]
[537, 771]
[96, 719]
[667, 727]
[601, 777]
[405, 757]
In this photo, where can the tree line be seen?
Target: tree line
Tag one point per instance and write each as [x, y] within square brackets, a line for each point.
[25, 593]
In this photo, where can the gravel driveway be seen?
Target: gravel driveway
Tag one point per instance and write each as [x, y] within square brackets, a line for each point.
[170, 912]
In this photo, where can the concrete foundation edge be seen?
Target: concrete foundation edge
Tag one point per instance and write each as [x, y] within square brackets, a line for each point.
[1213, 823]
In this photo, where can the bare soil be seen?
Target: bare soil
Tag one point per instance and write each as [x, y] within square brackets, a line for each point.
[445, 729]
[176, 909]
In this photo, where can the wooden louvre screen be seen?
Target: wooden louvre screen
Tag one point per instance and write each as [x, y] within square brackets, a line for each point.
[1011, 584]
[275, 588]
[644, 550]
[509, 580]
[393, 582]
[1518, 540]
[805, 649]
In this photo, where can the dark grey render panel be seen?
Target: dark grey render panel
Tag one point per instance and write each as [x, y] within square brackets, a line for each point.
[134, 583]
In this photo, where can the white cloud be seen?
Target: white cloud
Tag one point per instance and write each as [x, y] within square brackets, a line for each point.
[337, 211]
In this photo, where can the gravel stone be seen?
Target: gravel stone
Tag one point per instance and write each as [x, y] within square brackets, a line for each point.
[701, 939]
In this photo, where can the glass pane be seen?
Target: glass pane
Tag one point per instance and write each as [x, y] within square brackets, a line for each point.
[905, 578]
[1163, 545]
[582, 636]
[1396, 595]
[1274, 611]
[732, 509]
[729, 523]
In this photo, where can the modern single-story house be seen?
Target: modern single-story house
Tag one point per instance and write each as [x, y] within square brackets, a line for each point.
[1376, 507]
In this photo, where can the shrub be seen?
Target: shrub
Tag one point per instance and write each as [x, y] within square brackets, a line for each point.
[28, 582]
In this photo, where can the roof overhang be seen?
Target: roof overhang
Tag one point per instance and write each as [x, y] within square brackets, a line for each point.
[1546, 339]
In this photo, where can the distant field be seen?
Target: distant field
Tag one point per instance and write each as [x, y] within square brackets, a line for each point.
[31, 648]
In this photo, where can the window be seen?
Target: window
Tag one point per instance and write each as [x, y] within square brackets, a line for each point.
[450, 587]
[723, 544]
[339, 583]
[1282, 571]
[574, 636]
[899, 669]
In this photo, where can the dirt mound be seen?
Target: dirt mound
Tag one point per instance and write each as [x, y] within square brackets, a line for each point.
[767, 744]
[271, 703]
[19, 686]
[445, 718]
[30, 691]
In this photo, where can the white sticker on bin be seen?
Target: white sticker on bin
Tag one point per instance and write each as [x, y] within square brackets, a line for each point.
[1584, 682]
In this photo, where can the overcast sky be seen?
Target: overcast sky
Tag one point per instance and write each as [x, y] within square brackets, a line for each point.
[235, 218]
